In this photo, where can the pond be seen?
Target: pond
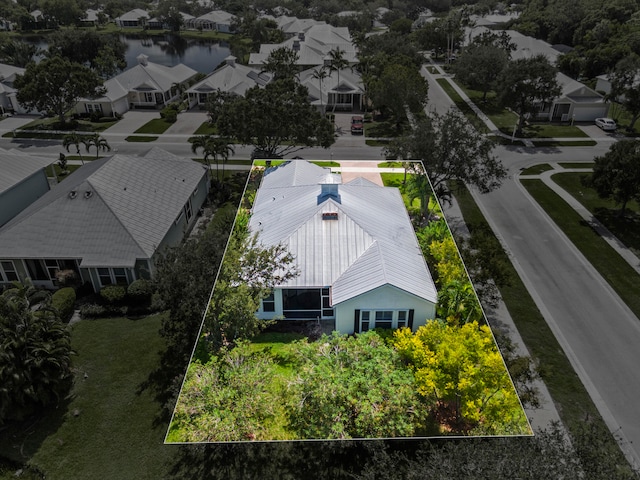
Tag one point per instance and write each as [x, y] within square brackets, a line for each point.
[201, 55]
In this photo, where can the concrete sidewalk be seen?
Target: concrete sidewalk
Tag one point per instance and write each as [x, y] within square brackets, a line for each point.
[528, 142]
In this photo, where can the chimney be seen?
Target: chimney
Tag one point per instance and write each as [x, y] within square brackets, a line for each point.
[231, 61]
[329, 188]
[327, 61]
[296, 45]
[142, 59]
[301, 36]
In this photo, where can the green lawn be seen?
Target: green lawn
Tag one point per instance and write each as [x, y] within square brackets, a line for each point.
[576, 164]
[107, 428]
[627, 229]
[462, 105]
[536, 169]
[572, 400]
[70, 170]
[566, 143]
[155, 126]
[206, 128]
[614, 269]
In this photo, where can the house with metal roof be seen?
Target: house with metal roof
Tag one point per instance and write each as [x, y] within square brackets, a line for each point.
[133, 19]
[108, 221]
[341, 90]
[231, 77]
[22, 182]
[312, 46]
[216, 20]
[355, 248]
[145, 85]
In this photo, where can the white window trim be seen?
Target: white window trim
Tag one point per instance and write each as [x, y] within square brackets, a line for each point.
[3, 274]
[394, 321]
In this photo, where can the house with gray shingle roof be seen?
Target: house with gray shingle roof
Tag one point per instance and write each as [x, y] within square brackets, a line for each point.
[146, 85]
[22, 182]
[108, 221]
[355, 248]
[231, 77]
[343, 90]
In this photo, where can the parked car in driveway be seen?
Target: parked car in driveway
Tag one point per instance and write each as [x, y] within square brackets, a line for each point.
[357, 125]
[606, 124]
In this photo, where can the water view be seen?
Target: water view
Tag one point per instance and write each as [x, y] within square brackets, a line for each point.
[201, 55]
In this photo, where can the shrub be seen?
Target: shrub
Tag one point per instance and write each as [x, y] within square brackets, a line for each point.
[63, 301]
[92, 310]
[169, 113]
[157, 304]
[140, 290]
[113, 294]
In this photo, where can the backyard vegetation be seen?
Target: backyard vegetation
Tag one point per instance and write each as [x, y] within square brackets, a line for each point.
[446, 378]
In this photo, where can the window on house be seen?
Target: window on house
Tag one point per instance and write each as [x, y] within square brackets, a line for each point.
[120, 276]
[269, 303]
[188, 210]
[8, 271]
[365, 317]
[402, 318]
[302, 302]
[36, 270]
[327, 310]
[105, 276]
[148, 97]
[384, 319]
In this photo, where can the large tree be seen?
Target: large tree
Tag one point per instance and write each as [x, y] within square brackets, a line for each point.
[55, 85]
[462, 377]
[525, 83]
[479, 66]
[282, 63]
[397, 89]
[277, 119]
[103, 53]
[35, 353]
[451, 150]
[168, 11]
[616, 174]
[64, 12]
[625, 86]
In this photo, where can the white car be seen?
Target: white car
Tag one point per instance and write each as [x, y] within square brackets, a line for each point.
[606, 124]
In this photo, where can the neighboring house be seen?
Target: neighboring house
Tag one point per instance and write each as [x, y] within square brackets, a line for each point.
[346, 95]
[291, 26]
[217, 20]
[108, 221]
[231, 77]
[22, 182]
[135, 18]
[90, 18]
[577, 102]
[355, 248]
[313, 46]
[8, 100]
[146, 85]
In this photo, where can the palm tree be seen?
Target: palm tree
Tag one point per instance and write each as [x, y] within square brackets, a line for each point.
[222, 149]
[35, 364]
[337, 62]
[204, 142]
[73, 139]
[320, 74]
[97, 141]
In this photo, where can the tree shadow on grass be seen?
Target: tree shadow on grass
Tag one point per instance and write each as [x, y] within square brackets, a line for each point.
[20, 440]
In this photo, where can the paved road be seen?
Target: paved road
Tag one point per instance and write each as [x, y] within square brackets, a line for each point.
[599, 334]
[595, 328]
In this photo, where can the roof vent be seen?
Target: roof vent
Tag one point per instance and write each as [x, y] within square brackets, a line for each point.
[330, 216]
[73, 194]
[143, 59]
[88, 194]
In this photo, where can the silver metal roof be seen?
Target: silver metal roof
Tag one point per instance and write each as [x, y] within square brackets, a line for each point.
[122, 208]
[371, 242]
